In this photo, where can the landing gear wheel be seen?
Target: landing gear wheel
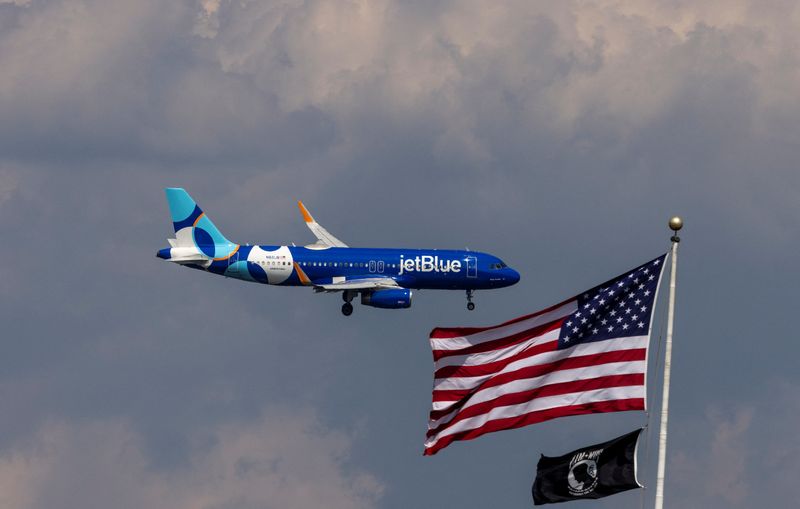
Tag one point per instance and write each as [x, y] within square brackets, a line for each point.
[470, 304]
[347, 309]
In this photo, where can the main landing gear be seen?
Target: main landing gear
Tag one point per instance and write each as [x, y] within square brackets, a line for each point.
[347, 307]
[470, 304]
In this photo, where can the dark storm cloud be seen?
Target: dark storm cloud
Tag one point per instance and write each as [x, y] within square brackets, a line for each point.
[559, 137]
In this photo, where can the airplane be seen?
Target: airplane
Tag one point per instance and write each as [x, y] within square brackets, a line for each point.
[384, 278]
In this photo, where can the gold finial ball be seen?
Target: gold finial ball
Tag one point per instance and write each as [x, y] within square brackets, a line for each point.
[675, 223]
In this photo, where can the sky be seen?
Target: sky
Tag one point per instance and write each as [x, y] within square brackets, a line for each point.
[559, 136]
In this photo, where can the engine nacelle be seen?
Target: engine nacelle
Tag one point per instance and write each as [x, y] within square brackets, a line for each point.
[387, 299]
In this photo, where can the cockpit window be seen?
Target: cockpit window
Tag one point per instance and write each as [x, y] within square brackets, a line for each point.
[496, 266]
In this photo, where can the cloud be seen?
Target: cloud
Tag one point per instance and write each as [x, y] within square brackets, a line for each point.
[207, 22]
[9, 181]
[545, 95]
[558, 135]
[566, 63]
[728, 479]
[284, 460]
[205, 78]
[719, 469]
[740, 454]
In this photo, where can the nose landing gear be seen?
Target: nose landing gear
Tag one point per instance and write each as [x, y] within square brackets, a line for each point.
[470, 304]
[347, 309]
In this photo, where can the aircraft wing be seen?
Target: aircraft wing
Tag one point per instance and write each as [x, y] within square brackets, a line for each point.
[325, 239]
[371, 283]
[338, 284]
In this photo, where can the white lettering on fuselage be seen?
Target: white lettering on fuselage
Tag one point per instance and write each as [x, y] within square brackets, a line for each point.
[427, 263]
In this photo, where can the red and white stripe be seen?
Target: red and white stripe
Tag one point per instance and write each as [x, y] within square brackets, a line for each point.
[511, 375]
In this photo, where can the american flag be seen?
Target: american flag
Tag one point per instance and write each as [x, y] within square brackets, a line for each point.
[585, 355]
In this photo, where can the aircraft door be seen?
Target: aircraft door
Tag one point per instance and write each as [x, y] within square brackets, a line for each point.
[380, 266]
[232, 267]
[472, 266]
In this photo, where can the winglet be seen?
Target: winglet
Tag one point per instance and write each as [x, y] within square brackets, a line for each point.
[304, 211]
[325, 239]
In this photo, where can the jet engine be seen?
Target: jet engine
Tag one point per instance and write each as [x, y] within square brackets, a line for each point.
[387, 299]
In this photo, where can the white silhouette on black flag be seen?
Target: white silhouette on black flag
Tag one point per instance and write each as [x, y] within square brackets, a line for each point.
[595, 471]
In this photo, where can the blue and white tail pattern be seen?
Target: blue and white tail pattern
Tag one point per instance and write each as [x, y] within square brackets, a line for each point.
[193, 229]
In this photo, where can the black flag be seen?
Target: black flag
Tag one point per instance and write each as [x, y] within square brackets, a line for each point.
[591, 472]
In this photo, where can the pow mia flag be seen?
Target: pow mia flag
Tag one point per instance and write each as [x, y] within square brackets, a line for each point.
[591, 472]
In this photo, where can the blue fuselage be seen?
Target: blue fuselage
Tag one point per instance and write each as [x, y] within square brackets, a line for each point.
[409, 268]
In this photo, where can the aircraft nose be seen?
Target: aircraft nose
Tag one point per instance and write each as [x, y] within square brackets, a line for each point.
[512, 277]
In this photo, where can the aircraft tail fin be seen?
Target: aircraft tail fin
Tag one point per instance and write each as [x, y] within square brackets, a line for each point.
[193, 228]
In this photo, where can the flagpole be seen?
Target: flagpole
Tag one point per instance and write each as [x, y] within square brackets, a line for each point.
[675, 224]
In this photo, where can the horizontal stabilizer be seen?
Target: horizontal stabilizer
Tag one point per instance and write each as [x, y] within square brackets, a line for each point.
[183, 255]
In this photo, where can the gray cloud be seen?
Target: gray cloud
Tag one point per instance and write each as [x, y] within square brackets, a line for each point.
[719, 470]
[284, 461]
[558, 136]
[743, 453]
